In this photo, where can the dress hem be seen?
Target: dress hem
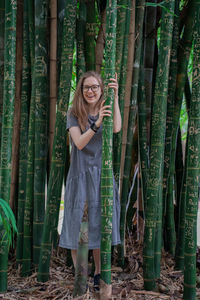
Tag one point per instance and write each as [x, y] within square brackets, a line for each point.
[89, 248]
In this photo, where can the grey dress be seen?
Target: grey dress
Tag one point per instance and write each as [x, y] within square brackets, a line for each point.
[83, 183]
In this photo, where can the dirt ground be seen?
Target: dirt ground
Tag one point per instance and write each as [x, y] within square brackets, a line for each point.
[126, 284]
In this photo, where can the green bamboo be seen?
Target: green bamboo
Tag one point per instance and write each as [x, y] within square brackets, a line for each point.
[61, 9]
[100, 43]
[25, 102]
[149, 39]
[28, 208]
[61, 12]
[31, 22]
[122, 8]
[134, 92]
[90, 34]
[184, 51]
[180, 243]
[2, 25]
[7, 122]
[153, 208]
[132, 198]
[59, 146]
[81, 270]
[149, 57]
[128, 86]
[193, 169]
[150, 23]
[170, 233]
[169, 169]
[123, 17]
[178, 173]
[80, 52]
[16, 127]
[180, 216]
[142, 134]
[52, 79]
[106, 171]
[41, 114]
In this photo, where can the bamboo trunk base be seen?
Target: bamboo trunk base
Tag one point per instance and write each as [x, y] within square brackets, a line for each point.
[81, 272]
[105, 290]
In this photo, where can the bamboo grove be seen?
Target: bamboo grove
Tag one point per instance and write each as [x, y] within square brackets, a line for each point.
[153, 46]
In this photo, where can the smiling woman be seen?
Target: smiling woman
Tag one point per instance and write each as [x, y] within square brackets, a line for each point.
[84, 122]
[92, 93]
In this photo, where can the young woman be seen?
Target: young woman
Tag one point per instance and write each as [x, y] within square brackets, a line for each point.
[84, 122]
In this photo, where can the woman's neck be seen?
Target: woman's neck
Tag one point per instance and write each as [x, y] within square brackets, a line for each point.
[93, 111]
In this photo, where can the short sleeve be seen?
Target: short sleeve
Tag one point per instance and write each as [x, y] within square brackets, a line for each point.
[72, 121]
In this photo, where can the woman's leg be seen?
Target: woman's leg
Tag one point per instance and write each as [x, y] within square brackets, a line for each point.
[96, 255]
[74, 256]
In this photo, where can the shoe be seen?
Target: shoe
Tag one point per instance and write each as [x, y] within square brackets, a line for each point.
[96, 282]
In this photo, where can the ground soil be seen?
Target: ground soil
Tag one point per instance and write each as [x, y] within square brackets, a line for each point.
[126, 284]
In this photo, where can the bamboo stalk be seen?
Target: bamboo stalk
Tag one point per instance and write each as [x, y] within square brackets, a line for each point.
[80, 45]
[122, 8]
[131, 121]
[41, 116]
[53, 75]
[169, 169]
[100, 44]
[16, 124]
[153, 208]
[25, 103]
[193, 169]
[2, 30]
[59, 145]
[7, 123]
[28, 207]
[90, 34]
[128, 87]
[184, 51]
[107, 170]
[121, 66]
[142, 135]
[81, 268]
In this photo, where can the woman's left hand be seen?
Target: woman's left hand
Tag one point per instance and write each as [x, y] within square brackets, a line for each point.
[117, 121]
[114, 85]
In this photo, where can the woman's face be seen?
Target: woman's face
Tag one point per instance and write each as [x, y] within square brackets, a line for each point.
[91, 90]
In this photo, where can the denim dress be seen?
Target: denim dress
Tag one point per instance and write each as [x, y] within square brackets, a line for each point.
[83, 184]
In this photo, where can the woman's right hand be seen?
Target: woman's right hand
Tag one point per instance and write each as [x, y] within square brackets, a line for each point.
[103, 112]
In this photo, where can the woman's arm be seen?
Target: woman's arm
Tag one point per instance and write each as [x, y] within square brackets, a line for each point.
[82, 139]
[117, 120]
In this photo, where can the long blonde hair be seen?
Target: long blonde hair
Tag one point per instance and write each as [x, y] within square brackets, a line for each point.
[79, 106]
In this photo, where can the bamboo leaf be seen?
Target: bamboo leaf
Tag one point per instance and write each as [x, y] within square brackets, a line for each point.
[7, 218]
[162, 5]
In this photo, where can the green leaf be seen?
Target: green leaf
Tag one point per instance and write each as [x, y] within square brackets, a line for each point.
[162, 5]
[7, 220]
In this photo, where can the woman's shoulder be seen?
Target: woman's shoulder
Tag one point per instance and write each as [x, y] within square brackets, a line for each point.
[70, 114]
[72, 120]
